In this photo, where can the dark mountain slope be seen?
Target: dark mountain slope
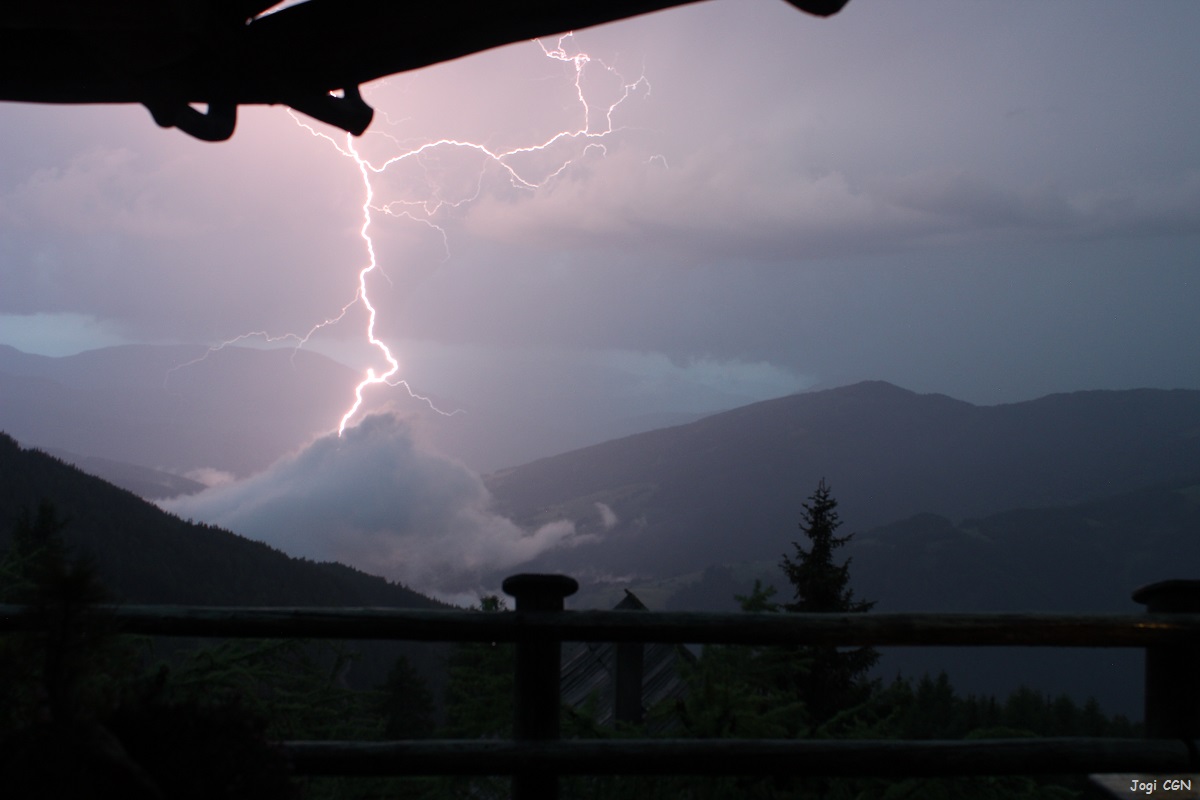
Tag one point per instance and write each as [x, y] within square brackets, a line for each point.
[146, 483]
[1082, 558]
[145, 555]
[729, 487]
[1087, 557]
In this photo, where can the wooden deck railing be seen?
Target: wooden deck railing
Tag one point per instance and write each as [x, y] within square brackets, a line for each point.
[1169, 633]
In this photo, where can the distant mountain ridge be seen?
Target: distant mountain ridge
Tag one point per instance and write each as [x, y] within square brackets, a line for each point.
[172, 406]
[149, 484]
[236, 410]
[729, 487]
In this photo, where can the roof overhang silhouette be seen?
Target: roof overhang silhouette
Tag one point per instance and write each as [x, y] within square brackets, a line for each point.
[171, 55]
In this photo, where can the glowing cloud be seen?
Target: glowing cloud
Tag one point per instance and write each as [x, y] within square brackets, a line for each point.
[376, 499]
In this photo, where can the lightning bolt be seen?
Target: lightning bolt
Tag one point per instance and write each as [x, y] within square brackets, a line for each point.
[427, 211]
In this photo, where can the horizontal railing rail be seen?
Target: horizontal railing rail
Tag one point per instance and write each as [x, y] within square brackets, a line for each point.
[855, 758]
[1170, 635]
[840, 630]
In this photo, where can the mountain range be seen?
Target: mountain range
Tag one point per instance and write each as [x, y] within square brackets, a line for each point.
[1066, 503]
[232, 411]
[177, 407]
[1063, 503]
[729, 487]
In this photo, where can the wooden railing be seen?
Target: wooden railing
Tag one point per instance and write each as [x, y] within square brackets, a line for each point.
[1169, 633]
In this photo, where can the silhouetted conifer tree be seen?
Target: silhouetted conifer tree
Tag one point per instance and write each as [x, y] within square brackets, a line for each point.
[835, 679]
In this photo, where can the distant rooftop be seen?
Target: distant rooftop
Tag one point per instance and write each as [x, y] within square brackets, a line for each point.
[589, 669]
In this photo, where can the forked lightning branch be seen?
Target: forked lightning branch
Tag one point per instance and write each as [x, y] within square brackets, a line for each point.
[592, 125]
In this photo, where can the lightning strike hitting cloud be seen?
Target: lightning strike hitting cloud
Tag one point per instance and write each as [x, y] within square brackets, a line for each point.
[380, 500]
[376, 498]
[586, 136]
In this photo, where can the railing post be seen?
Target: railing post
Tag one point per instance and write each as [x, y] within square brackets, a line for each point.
[627, 699]
[537, 694]
[1172, 672]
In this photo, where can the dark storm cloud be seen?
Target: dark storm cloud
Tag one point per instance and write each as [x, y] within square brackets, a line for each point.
[917, 191]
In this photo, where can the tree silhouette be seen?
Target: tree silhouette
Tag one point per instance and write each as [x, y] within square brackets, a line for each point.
[835, 679]
[79, 716]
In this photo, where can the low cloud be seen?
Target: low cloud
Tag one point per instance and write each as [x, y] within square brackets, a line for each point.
[608, 517]
[749, 198]
[727, 200]
[210, 476]
[961, 202]
[378, 500]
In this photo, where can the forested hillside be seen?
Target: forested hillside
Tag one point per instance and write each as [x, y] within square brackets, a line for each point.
[145, 555]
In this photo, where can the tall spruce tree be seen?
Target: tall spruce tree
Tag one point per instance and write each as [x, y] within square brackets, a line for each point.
[835, 679]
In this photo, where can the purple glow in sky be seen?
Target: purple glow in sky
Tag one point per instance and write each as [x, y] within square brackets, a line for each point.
[994, 200]
[1013, 189]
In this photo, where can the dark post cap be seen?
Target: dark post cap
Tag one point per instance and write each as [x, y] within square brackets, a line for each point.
[536, 585]
[1173, 596]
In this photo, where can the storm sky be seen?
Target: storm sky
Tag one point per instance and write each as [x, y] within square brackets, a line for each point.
[993, 200]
